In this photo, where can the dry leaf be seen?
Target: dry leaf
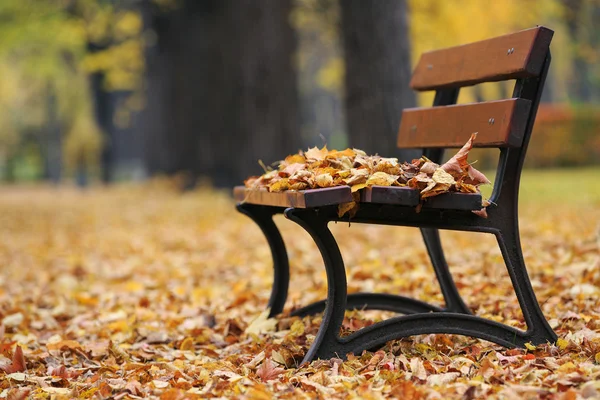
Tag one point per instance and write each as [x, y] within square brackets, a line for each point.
[268, 371]
[381, 179]
[316, 154]
[324, 180]
[17, 364]
[261, 324]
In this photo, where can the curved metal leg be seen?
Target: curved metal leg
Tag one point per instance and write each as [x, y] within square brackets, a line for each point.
[263, 217]
[328, 343]
[377, 335]
[333, 316]
[454, 301]
[539, 331]
[373, 301]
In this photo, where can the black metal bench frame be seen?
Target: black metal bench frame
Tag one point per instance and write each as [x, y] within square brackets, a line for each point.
[421, 317]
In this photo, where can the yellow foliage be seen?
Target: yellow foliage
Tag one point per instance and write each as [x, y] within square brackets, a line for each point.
[83, 142]
[331, 75]
[437, 24]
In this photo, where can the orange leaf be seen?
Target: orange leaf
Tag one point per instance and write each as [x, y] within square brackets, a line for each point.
[64, 344]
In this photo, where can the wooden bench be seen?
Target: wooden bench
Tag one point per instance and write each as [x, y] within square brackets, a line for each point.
[504, 124]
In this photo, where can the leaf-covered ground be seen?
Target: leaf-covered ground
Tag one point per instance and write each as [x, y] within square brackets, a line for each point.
[141, 292]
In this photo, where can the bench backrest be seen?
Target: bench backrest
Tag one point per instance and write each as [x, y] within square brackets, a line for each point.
[504, 124]
[501, 123]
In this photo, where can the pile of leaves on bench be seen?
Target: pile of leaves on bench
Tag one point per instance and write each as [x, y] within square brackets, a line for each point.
[322, 168]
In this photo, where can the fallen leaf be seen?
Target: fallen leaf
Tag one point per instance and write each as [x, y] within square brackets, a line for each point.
[268, 370]
[261, 324]
[324, 180]
[17, 364]
[381, 179]
[316, 153]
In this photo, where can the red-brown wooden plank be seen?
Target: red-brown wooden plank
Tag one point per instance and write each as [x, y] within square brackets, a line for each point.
[406, 196]
[454, 201]
[516, 55]
[400, 195]
[298, 199]
[499, 123]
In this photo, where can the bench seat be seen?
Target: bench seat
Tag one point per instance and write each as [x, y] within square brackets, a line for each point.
[291, 198]
[405, 196]
[402, 196]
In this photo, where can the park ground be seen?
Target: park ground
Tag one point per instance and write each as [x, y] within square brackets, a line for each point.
[139, 291]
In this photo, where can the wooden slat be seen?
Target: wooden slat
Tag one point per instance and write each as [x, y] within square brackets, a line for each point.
[454, 201]
[498, 123]
[405, 196]
[400, 195]
[517, 55]
[298, 199]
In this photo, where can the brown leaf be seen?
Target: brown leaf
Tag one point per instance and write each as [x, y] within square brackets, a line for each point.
[349, 207]
[17, 364]
[458, 163]
[291, 169]
[134, 387]
[429, 167]
[357, 176]
[268, 370]
[18, 394]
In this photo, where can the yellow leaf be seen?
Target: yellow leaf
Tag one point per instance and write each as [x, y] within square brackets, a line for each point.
[277, 357]
[299, 186]
[381, 179]
[562, 344]
[567, 367]
[388, 165]
[357, 176]
[261, 324]
[297, 328]
[340, 154]
[316, 154]
[358, 187]
[441, 176]
[69, 344]
[350, 207]
[530, 347]
[295, 159]
[280, 185]
[596, 358]
[187, 344]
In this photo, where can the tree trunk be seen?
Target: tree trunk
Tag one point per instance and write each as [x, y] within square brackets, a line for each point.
[378, 70]
[221, 88]
[53, 141]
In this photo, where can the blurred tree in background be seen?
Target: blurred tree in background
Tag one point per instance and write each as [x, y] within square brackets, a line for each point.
[120, 88]
[222, 88]
[378, 71]
[63, 62]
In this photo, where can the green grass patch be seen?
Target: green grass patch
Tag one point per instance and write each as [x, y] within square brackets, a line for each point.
[573, 185]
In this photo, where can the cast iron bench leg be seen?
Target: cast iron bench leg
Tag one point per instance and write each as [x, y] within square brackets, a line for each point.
[402, 304]
[263, 217]
[373, 301]
[454, 301]
[539, 331]
[328, 342]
